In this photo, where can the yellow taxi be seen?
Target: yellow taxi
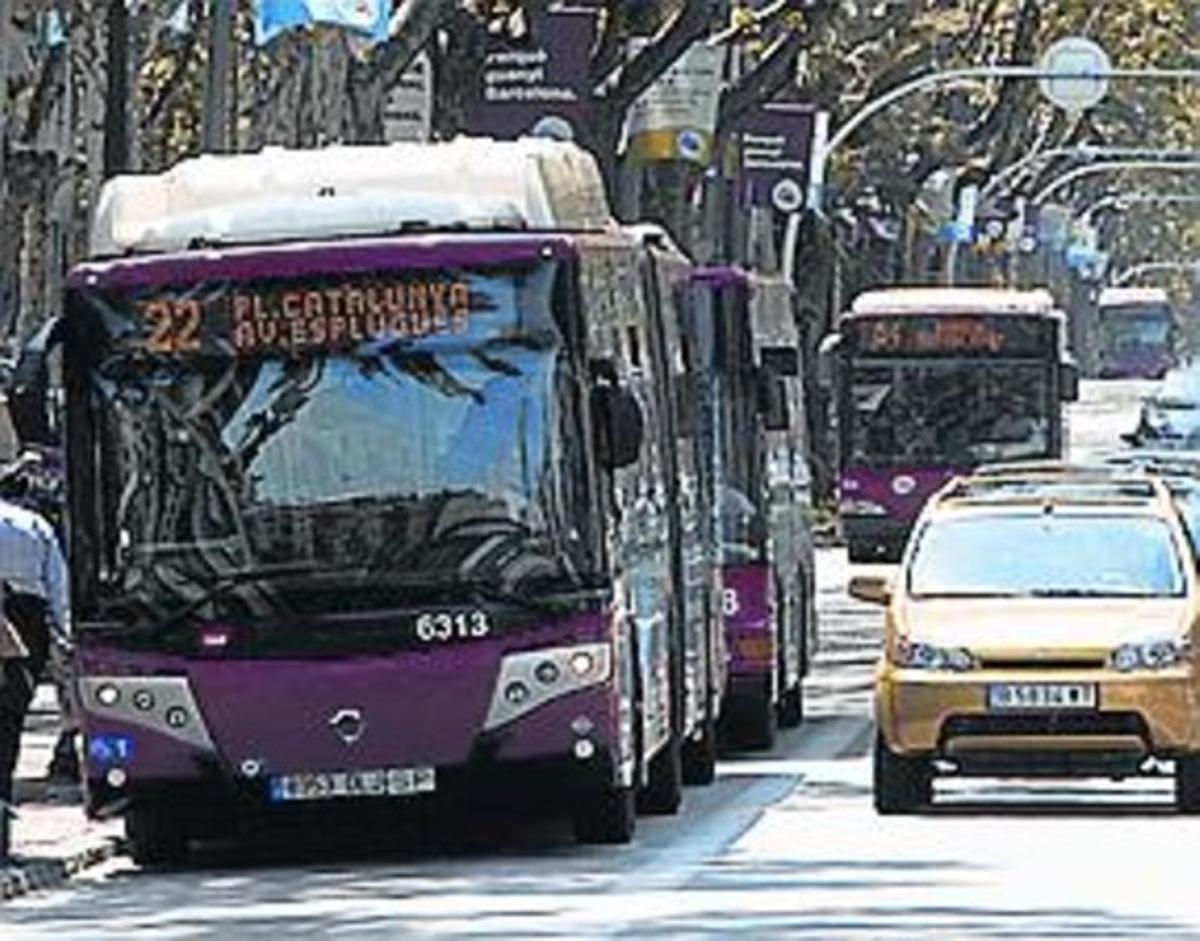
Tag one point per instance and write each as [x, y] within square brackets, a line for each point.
[1043, 622]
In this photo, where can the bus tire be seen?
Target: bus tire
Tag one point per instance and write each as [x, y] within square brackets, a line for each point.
[700, 756]
[1187, 784]
[791, 707]
[663, 792]
[901, 784]
[157, 837]
[753, 720]
[606, 816]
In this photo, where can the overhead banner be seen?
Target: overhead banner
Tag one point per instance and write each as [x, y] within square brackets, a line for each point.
[370, 18]
[408, 109]
[537, 83]
[774, 150]
[676, 117]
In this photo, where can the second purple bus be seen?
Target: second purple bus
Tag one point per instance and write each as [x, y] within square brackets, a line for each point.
[930, 382]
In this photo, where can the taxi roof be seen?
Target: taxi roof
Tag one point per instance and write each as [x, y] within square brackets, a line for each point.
[1057, 484]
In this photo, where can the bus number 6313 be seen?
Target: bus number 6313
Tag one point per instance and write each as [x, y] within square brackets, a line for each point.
[443, 625]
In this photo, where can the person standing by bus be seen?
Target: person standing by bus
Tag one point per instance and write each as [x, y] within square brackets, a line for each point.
[34, 578]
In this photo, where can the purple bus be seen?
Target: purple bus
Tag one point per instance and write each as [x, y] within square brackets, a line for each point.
[697, 567]
[744, 362]
[1137, 332]
[365, 518]
[931, 382]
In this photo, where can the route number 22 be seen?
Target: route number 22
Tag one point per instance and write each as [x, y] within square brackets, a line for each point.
[174, 326]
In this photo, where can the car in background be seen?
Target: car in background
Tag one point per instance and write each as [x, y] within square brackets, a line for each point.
[1179, 470]
[1042, 622]
[1170, 416]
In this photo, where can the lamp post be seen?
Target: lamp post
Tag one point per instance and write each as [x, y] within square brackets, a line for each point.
[1147, 267]
[1070, 176]
[825, 145]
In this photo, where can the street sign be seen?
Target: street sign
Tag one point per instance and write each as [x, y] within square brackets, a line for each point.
[1075, 59]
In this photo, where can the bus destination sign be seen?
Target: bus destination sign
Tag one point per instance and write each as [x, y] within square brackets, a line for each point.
[941, 335]
[292, 318]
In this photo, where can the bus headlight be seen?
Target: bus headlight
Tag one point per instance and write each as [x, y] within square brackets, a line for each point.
[108, 695]
[582, 663]
[529, 680]
[862, 508]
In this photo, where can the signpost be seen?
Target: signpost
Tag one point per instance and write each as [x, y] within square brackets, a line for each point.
[538, 80]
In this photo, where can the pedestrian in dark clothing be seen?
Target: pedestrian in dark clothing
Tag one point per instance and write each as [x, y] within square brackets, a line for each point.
[34, 577]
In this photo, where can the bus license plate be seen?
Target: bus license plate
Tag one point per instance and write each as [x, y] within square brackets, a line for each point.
[1042, 696]
[328, 785]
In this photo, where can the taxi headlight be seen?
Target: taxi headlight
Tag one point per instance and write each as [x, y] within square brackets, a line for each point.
[1149, 655]
[917, 656]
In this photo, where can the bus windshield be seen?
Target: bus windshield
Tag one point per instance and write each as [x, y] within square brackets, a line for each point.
[1125, 329]
[419, 459]
[948, 412]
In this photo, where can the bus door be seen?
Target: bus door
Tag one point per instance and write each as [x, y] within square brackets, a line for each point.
[620, 343]
[697, 570]
[788, 482]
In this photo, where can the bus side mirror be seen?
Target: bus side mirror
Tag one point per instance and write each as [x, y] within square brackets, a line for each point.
[1068, 382]
[827, 355]
[619, 426]
[29, 389]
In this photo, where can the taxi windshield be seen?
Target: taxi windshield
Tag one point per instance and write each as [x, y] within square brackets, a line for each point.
[1061, 555]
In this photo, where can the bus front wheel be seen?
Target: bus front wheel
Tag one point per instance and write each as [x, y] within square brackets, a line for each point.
[752, 721]
[608, 815]
[700, 755]
[664, 790]
[157, 836]
[791, 706]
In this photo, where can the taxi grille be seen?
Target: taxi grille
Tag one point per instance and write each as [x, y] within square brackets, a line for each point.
[1046, 723]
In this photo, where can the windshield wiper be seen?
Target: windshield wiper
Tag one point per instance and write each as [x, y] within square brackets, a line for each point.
[965, 595]
[490, 591]
[1090, 593]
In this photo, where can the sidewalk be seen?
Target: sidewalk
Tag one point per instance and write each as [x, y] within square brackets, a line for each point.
[51, 838]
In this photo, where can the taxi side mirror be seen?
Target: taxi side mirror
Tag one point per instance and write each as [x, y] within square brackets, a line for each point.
[873, 589]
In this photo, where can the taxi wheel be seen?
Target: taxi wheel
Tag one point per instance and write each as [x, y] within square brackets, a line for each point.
[901, 784]
[1187, 784]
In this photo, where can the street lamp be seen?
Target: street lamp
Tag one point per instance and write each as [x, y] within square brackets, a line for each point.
[1135, 271]
[1088, 152]
[1078, 173]
[825, 145]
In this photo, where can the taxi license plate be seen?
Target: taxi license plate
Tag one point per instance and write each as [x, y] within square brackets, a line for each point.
[1042, 696]
[328, 785]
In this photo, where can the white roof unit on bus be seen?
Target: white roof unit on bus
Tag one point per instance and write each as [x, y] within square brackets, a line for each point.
[951, 300]
[1116, 297]
[280, 195]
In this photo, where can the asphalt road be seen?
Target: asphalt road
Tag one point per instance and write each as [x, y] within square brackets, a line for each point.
[783, 845]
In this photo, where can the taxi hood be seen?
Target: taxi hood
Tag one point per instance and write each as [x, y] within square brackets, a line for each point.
[1020, 624]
